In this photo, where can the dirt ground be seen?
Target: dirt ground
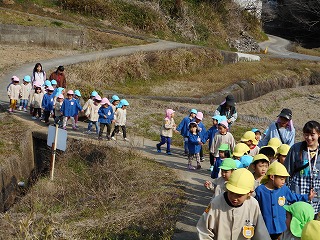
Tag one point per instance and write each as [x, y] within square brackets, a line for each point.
[13, 56]
[303, 101]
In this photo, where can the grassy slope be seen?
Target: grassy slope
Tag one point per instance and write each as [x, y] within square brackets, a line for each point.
[200, 22]
[41, 211]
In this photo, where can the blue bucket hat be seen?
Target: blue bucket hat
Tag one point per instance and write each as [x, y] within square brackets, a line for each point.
[193, 111]
[54, 82]
[77, 93]
[47, 83]
[94, 93]
[27, 78]
[114, 98]
[246, 160]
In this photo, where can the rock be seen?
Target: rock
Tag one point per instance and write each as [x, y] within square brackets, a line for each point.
[244, 43]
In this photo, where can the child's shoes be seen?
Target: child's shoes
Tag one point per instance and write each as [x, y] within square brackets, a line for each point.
[158, 148]
[211, 168]
[190, 167]
[169, 153]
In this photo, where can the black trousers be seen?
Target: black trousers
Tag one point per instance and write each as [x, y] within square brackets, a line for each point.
[46, 115]
[116, 130]
[102, 126]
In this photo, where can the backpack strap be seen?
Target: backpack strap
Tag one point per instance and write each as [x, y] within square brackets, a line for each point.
[279, 133]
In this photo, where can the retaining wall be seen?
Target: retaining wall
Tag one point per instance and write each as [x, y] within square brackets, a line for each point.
[44, 36]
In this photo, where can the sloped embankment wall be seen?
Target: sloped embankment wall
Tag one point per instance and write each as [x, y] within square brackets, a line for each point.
[44, 36]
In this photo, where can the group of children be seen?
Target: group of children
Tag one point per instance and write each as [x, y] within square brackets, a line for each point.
[47, 100]
[251, 199]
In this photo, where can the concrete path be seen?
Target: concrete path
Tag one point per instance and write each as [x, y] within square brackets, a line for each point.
[277, 46]
[198, 197]
[27, 68]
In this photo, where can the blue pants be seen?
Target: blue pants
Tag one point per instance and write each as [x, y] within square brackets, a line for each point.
[95, 123]
[164, 140]
[24, 103]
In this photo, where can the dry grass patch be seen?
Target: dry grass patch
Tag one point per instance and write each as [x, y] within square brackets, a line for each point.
[138, 73]
[98, 193]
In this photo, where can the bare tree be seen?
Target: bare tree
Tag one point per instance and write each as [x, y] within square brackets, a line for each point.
[300, 13]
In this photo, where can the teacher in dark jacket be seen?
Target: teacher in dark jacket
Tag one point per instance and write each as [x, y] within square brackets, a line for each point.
[59, 76]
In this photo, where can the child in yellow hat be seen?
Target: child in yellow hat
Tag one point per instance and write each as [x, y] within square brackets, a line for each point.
[311, 231]
[228, 165]
[282, 153]
[249, 138]
[259, 165]
[273, 195]
[234, 214]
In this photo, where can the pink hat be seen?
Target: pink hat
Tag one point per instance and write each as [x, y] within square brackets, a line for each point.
[199, 116]
[224, 123]
[15, 79]
[60, 96]
[50, 88]
[70, 92]
[105, 101]
[98, 98]
[36, 84]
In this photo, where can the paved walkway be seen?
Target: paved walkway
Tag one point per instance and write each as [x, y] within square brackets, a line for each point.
[198, 197]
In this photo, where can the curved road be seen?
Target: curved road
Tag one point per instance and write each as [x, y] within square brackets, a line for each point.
[197, 196]
[68, 60]
[277, 46]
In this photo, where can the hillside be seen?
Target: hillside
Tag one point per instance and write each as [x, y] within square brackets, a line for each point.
[215, 24]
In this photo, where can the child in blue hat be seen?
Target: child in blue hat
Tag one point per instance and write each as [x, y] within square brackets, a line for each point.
[25, 93]
[183, 128]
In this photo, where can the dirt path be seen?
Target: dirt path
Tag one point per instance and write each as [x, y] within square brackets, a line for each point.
[198, 197]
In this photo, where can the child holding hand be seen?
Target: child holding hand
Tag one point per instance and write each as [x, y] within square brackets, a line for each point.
[227, 166]
[273, 195]
[194, 146]
[166, 131]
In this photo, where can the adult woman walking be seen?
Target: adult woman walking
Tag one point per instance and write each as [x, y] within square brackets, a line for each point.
[282, 129]
[227, 108]
[59, 76]
[303, 163]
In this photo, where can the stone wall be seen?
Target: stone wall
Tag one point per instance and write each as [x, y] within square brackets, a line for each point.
[43, 36]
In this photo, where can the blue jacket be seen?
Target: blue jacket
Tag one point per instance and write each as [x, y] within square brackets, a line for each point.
[202, 132]
[216, 168]
[193, 143]
[47, 102]
[287, 135]
[70, 108]
[108, 111]
[183, 126]
[272, 210]
[210, 135]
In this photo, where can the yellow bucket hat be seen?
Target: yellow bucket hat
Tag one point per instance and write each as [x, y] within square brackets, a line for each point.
[278, 169]
[241, 181]
[275, 142]
[311, 231]
[249, 135]
[283, 149]
[260, 156]
[240, 149]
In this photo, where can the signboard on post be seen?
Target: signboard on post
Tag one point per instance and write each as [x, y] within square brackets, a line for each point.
[61, 142]
[57, 139]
